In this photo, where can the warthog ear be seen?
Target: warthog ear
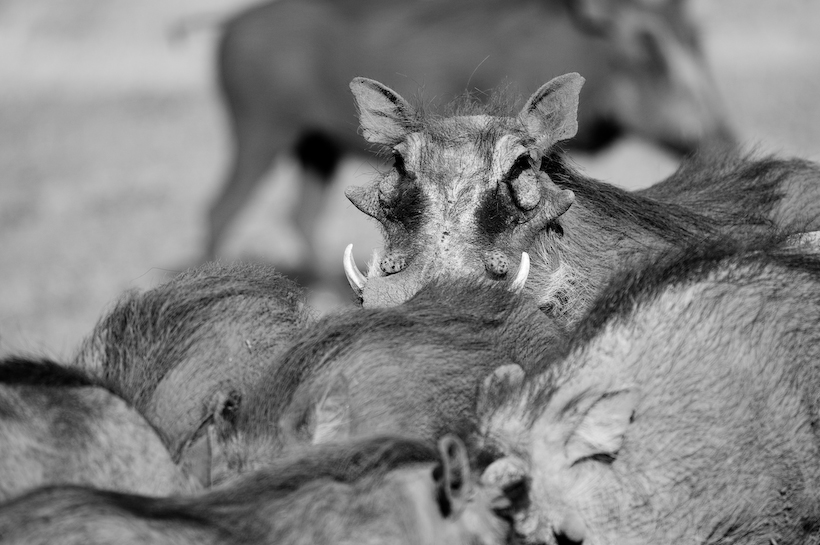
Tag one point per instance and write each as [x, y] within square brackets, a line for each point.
[497, 385]
[551, 114]
[206, 451]
[331, 415]
[195, 459]
[455, 487]
[601, 425]
[383, 115]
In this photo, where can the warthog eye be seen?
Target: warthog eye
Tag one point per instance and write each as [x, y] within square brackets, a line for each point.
[398, 164]
[601, 457]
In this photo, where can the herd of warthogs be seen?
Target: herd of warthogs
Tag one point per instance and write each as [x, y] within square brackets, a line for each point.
[536, 356]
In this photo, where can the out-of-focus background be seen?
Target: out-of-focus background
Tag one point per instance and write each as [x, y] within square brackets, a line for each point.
[113, 143]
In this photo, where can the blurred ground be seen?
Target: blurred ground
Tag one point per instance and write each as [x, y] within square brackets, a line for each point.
[112, 143]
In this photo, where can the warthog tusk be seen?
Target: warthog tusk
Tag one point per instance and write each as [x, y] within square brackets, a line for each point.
[523, 272]
[352, 272]
[808, 238]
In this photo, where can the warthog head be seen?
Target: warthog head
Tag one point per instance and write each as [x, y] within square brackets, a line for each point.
[467, 194]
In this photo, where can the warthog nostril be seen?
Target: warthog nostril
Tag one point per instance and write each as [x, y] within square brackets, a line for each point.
[497, 263]
[392, 263]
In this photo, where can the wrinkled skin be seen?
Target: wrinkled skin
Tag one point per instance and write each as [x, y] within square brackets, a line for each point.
[180, 351]
[283, 67]
[390, 491]
[59, 426]
[469, 192]
[684, 413]
[413, 369]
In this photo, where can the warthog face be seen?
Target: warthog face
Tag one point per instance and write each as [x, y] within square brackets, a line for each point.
[466, 195]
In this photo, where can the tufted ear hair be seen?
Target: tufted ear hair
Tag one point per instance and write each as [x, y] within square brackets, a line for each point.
[331, 414]
[497, 385]
[203, 454]
[384, 116]
[551, 114]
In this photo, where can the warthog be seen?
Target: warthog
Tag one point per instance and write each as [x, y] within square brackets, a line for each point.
[685, 413]
[412, 369]
[283, 66]
[391, 491]
[59, 426]
[472, 194]
[174, 349]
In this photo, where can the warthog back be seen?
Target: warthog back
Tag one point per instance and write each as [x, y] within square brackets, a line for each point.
[58, 426]
[385, 490]
[413, 369]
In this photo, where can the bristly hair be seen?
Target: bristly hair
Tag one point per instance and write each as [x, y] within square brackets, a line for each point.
[343, 462]
[500, 103]
[235, 512]
[733, 188]
[24, 371]
[638, 285]
[162, 325]
[671, 218]
[457, 316]
[632, 288]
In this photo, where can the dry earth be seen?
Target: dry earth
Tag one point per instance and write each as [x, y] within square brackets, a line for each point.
[112, 143]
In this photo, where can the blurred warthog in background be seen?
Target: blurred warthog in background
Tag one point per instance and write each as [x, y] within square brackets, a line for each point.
[385, 490]
[284, 66]
[413, 370]
[173, 350]
[686, 411]
[59, 426]
[475, 194]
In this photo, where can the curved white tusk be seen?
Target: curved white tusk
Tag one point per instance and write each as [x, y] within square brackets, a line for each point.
[354, 276]
[523, 272]
[808, 238]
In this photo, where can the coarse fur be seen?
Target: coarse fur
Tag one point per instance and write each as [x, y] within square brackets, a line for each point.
[727, 186]
[211, 330]
[383, 489]
[686, 410]
[60, 426]
[31, 371]
[641, 284]
[413, 369]
[706, 198]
